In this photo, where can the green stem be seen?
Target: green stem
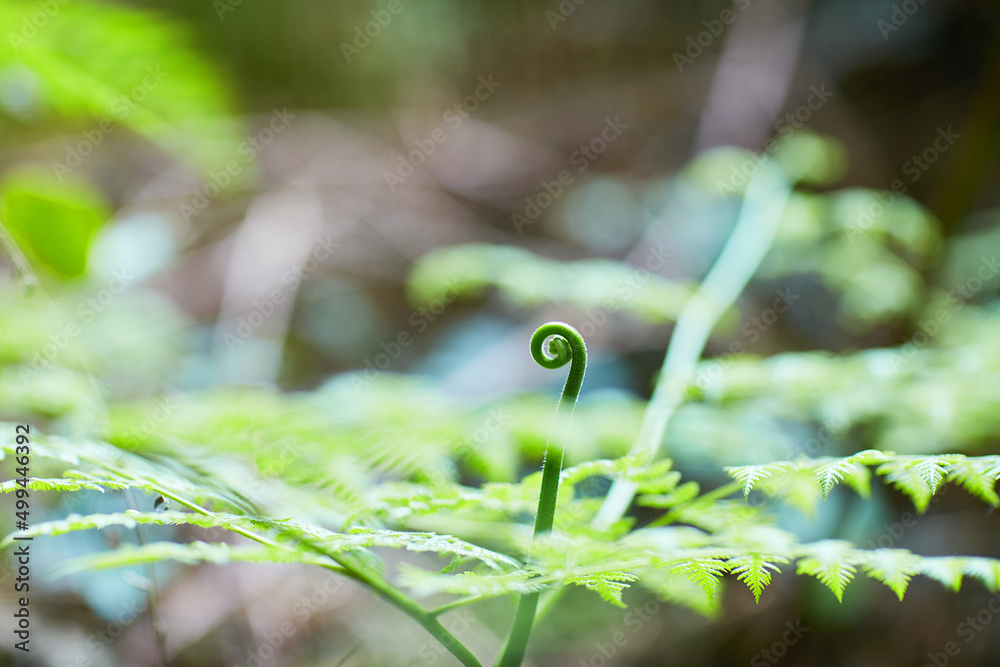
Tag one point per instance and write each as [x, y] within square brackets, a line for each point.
[455, 604]
[427, 619]
[565, 345]
[707, 498]
[766, 196]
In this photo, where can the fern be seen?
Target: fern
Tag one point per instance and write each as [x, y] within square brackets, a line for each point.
[919, 477]
[749, 476]
[845, 470]
[609, 585]
[946, 570]
[893, 567]
[64, 484]
[830, 562]
[755, 570]
[424, 584]
[379, 497]
[706, 572]
[978, 477]
[194, 552]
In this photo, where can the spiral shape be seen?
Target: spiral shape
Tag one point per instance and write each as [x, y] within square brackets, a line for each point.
[565, 345]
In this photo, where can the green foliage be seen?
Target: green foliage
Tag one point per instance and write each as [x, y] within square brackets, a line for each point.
[609, 585]
[706, 572]
[603, 562]
[191, 553]
[919, 477]
[754, 570]
[830, 562]
[526, 279]
[52, 224]
[107, 64]
[337, 476]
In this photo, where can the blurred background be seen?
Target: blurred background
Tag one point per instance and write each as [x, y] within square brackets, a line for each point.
[381, 201]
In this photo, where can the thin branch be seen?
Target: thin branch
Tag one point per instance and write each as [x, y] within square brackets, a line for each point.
[455, 604]
[767, 193]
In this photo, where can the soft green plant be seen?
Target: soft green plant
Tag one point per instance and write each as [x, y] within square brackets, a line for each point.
[332, 477]
[565, 345]
[682, 555]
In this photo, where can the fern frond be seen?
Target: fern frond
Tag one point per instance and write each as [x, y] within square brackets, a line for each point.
[755, 570]
[609, 585]
[129, 519]
[749, 476]
[830, 562]
[706, 572]
[948, 570]
[679, 589]
[977, 476]
[423, 583]
[848, 471]
[684, 493]
[192, 553]
[59, 484]
[893, 567]
[118, 469]
[798, 488]
[627, 466]
[715, 516]
[442, 544]
[987, 570]
[919, 477]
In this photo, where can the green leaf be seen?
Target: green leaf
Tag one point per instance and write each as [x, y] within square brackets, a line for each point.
[755, 570]
[846, 470]
[525, 278]
[685, 492]
[932, 470]
[446, 544]
[978, 477]
[987, 570]
[870, 457]
[609, 585]
[423, 583]
[917, 476]
[716, 516]
[196, 552]
[798, 488]
[42, 484]
[53, 224]
[112, 65]
[627, 467]
[749, 476]
[130, 519]
[679, 589]
[893, 567]
[948, 570]
[706, 572]
[830, 562]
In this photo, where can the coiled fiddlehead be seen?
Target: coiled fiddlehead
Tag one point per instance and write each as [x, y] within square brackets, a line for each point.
[565, 345]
